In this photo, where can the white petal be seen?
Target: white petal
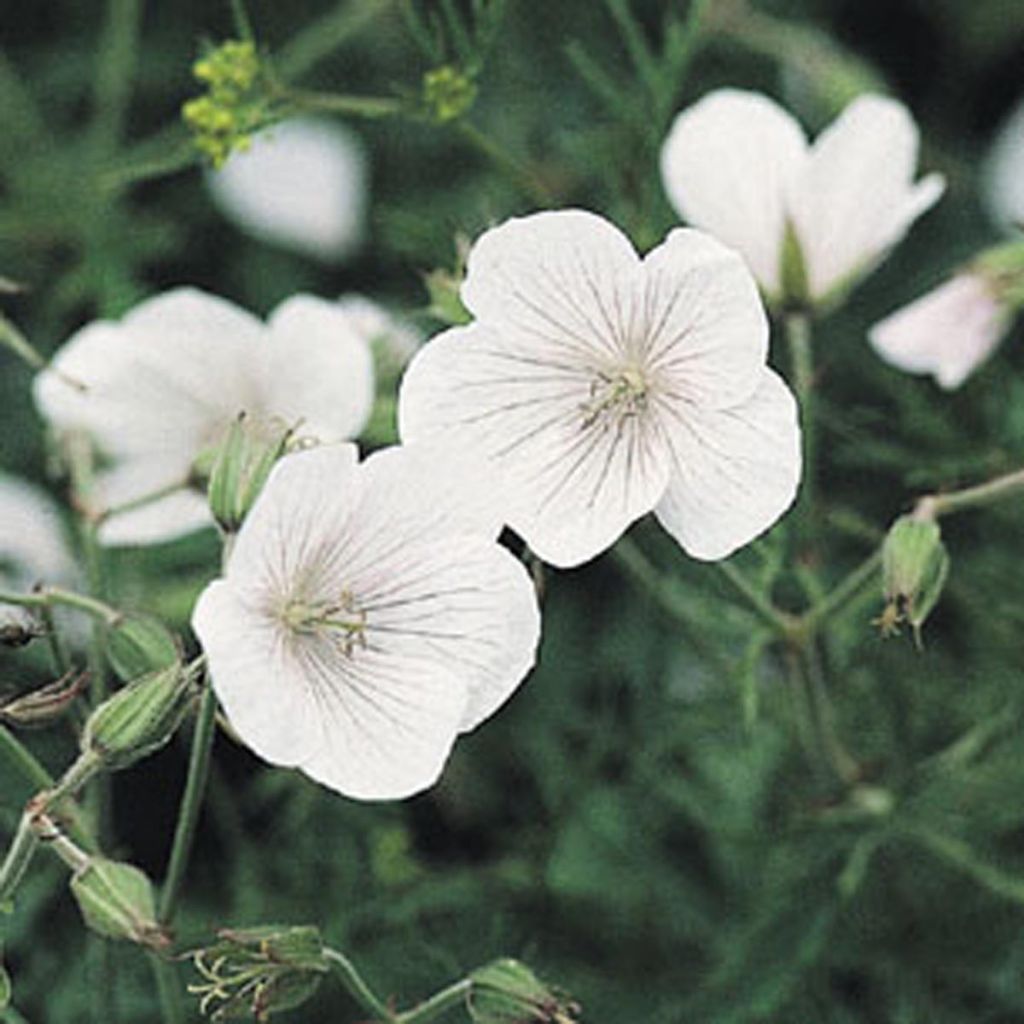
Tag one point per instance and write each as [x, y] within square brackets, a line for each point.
[572, 487]
[726, 166]
[302, 185]
[567, 280]
[1004, 172]
[736, 471]
[948, 332]
[317, 369]
[163, 381]
[33, 548]
[706, 330]
[856, 197]
[381, 328]
[297, 520]
[256, 675]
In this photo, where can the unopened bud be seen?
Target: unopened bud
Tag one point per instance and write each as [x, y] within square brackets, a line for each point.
[508, 992]
[137, 644]
[116, 900]
[1002, 269]
[140, 718]
[448, 93]
[259, 971]
[241, 468]
[42, 706]
[914, 570]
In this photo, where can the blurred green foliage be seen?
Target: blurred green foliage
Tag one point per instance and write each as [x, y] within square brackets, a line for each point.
[640, 824]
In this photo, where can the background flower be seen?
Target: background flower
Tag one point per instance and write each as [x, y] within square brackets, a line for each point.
[739, 166]
[367, 617]
[1004, 171]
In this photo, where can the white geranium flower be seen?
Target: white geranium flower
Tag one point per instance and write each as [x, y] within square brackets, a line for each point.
[162, 385]
[395, 339]
[1004, 172]
[367, 617]
[604, 386]
[738, 165]
[948, 332]
[301, 185]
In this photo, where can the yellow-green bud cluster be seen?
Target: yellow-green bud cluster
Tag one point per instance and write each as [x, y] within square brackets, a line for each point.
[915, 565]
[259, 971]
[508, 992]
[116, 900]
[235, 104]
[448, 93]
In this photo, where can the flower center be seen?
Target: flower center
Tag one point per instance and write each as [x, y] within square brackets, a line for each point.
[342, 619]
[618, 396]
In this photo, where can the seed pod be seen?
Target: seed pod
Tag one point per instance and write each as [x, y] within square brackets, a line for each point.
[116, 900]
[915, 565]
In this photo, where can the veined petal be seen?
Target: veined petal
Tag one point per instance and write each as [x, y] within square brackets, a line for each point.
[856, 197]
[726, 165]
[317, 369]
[257, 675]
[706, 330]
[735, 471]
[565, 279]
[575, 475]
[948, 332]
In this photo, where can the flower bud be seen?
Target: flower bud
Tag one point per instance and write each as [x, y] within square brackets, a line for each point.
[259, 971]
[140, 718]
[241, 468]
[42, 706]
[137, 644]
[508, 992]
[117, 901]
[448, 93]
[914, 569]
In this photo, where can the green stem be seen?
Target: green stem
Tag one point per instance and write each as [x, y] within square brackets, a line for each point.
[518, 171]
[168, 991]
[49, 596]
[19, 856]
[780, 621]
[439, 1003]
[144, 500]
[842, 594]
[357, 988]
[177, 158]
[341, 103]
[797, 328]
[58, 649]
[191, 802]
[843, 765]
[115, 66]
[933, 506]
[321, 38]
[243, 26]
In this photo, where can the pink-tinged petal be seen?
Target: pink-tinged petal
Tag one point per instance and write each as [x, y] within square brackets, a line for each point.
[258, 677]
[291, 536]
[735, 471]
[948, 332]
[574, 478]
[856, 197]
[726, 166]
[565, 279]
[706, 333]
[317, 369]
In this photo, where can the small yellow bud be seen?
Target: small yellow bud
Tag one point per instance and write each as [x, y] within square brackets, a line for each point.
[448, 93]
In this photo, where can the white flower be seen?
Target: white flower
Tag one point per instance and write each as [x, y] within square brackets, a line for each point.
[367, 617]
[948, 332]
[605, 386]
[738, 165]
[164, 383]
[1004, 172]
[301, 185]
[395, 339]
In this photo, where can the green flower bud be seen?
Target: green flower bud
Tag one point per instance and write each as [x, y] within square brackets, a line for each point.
[508, 992]
[448, 93]
[137, 644]
[241, 468]
[116, 900]
[914, 570]
[259, 971]
[42, 706]
[140, 718]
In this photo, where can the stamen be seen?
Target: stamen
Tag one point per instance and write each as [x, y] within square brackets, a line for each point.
[342, 616]
[619, 395]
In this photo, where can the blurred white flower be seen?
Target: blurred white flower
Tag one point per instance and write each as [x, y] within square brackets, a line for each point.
[395, 339]
[1004, 172]
[33, 548]
[948, 332]
[163, 385]
[605, 386]
[367, 617]
[301, 185]
[809, 219]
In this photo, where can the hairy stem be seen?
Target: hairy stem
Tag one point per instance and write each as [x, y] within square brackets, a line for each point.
[932, 506]
[439, 1003]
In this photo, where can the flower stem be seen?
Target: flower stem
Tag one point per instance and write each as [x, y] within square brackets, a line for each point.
[191, 802]
[49, 596]
[342, 103]
[19, 856]
[321, 38]
[358, 989]
[779, 621]
[168, 993]
[522, 174]
[439, 1003]
[114, 70]
[842, 594]
[797, 328]
[932, 506]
